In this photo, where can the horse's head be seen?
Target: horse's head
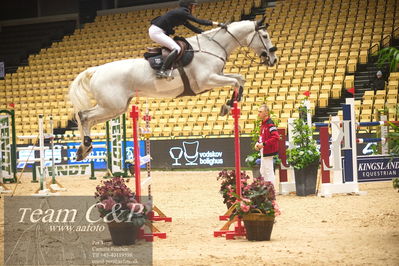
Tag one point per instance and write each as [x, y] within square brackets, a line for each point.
[262, 44]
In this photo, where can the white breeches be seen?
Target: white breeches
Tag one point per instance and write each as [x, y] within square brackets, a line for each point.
[267, 169]
[158, 35]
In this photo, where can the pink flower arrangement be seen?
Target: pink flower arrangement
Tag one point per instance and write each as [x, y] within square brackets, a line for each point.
[107, 204]
[115, 199]
[244, 207]
[228, 184]
[259, 197]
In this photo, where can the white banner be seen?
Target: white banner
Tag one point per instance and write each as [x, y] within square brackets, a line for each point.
[67, 170]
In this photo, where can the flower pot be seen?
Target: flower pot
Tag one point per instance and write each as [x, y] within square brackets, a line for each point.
[305, 179]
[258, 226]
[256, 171]
[123, 233]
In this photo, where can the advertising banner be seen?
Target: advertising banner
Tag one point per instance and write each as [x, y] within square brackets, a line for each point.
[377, 168]
[65, 153]
[197, 153]
[365, 148]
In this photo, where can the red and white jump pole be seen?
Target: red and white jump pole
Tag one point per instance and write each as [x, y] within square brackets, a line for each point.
[135, 114]
[239, 229]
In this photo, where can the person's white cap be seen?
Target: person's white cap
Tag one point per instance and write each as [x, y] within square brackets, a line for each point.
[379, 73]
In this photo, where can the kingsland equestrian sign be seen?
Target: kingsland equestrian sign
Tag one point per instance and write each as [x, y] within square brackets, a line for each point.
[377, 168]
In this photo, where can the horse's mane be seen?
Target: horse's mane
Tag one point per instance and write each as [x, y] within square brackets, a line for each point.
[229, 25]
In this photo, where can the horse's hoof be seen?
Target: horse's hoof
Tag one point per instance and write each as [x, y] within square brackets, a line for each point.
[240, 92]
[224, 110]
[81, 155]
[87, 141]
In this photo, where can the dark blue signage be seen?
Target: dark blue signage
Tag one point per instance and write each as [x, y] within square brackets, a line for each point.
[377, 168]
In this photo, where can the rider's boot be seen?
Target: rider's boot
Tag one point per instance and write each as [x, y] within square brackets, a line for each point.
[162, 73]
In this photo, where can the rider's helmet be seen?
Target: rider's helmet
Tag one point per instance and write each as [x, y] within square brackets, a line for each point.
[187, 3]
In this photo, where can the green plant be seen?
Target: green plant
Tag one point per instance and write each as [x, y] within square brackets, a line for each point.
[277, 160]
[388, 55]
[394, 137]
[253, 158]
[259, 197]
[228, 184]
[305, 150]
[395, 183]
[116, 202]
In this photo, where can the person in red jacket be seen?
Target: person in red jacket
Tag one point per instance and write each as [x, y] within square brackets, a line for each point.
[267, 144]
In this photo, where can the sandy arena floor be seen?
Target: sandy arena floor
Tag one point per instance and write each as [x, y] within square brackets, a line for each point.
[342, 230]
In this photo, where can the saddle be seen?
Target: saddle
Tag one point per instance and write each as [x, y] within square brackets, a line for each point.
[156, 55]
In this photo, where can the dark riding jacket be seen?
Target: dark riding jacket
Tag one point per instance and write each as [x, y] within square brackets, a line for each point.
[177, 17]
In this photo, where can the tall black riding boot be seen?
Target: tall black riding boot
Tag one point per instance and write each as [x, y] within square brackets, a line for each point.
[167, 64]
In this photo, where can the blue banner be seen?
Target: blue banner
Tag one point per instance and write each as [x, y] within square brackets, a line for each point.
[100, 153]
[67, 155]
[99, 163]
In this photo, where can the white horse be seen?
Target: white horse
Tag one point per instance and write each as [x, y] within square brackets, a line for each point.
[114, 84]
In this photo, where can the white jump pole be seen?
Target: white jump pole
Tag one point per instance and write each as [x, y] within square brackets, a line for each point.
[41, 145]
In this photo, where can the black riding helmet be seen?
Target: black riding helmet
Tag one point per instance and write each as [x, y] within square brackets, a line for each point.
[187, 3]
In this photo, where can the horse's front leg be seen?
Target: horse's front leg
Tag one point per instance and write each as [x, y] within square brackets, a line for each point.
[238, 97]
[236, 81]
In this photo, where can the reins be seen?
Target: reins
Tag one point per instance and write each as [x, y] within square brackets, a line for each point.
[224, 59]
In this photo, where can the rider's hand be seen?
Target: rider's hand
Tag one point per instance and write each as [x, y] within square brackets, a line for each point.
[215, 23]
[222, 25]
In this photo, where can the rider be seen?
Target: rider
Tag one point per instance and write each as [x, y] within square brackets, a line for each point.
[162, 26]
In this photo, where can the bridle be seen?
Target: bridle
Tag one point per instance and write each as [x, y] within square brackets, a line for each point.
[266, 52]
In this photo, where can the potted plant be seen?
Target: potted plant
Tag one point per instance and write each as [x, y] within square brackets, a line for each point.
[258, 208]
[253, 162]
[304, 156]
[394, 136]
[123, 214]
[395, 183]
[394, 145]
[228, 185]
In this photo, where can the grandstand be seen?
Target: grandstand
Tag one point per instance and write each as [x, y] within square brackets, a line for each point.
[321, 46]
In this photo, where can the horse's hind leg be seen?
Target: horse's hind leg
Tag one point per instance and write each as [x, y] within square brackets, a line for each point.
[85, 147]
[89, 118]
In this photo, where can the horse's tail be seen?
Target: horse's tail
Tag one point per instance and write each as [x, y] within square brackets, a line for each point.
[80, 93]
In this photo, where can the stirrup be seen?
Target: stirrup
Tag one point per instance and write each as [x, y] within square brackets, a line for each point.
[165, 75]
[161, 74]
